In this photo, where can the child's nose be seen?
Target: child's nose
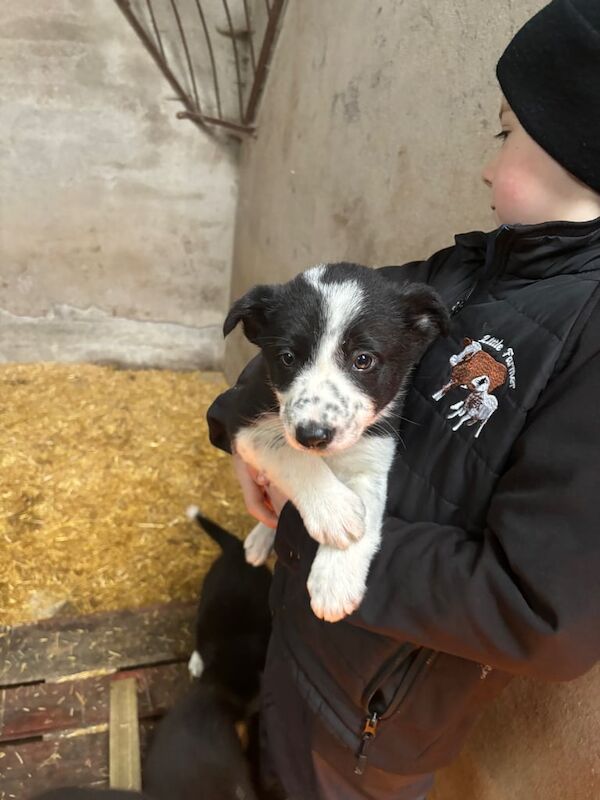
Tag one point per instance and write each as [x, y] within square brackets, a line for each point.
[489, 170]
[487, 174]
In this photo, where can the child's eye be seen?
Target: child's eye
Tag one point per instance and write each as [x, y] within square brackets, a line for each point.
[503, 135]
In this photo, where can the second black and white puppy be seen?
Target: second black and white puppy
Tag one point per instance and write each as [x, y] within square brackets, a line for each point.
[196, 753]
[233, 621]
[340, 342]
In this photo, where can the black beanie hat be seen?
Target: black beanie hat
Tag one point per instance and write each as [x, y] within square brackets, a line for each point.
[550, 75]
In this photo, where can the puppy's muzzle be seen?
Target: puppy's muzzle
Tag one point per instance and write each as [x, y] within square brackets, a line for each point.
[314, 436]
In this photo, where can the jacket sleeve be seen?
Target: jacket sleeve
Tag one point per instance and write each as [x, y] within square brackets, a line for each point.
[525, 597]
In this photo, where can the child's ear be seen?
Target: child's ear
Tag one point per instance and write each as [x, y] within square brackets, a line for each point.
[251, 310]
[425, 311]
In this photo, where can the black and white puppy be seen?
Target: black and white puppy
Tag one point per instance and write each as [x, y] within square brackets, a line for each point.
[196, 752]
[233, 621]
[340, 342]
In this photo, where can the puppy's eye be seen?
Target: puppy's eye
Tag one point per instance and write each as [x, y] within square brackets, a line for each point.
[287, 358]
[364, 362]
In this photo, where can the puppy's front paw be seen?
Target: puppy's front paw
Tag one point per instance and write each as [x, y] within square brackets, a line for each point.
[336, 518]
[334, 592]
[258, 544]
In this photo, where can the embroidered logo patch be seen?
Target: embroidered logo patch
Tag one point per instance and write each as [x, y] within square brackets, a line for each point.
[481, 374]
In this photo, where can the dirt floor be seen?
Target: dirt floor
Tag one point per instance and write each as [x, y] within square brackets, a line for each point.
[98, 466]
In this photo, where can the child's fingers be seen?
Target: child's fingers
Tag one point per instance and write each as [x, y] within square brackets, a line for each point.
[277, 499]
[254, 496]
[261, 509]
[267, 502]
[256, 504]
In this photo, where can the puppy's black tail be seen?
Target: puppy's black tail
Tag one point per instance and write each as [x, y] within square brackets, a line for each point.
[225, 540]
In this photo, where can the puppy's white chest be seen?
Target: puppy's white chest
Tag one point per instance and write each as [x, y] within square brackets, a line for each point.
[371, 457]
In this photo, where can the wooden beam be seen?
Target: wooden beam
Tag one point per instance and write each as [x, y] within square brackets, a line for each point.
[125, 769]
[27, 768]
[99, 643]
[31, 767]
[40, 709]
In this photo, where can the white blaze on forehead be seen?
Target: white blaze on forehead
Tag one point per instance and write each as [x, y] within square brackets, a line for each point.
[341, 303]
[314, 274]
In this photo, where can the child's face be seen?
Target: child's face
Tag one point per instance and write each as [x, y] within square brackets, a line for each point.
[528, 186]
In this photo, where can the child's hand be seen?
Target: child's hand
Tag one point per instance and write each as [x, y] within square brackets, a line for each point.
[274, 496]
[256, 495]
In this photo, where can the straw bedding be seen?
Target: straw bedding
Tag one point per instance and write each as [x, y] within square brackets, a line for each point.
[98, 466]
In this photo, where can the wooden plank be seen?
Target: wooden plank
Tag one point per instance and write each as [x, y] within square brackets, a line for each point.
[33, 766]
[52, 649]
[37, 709]
[123, 737]
[28, 768]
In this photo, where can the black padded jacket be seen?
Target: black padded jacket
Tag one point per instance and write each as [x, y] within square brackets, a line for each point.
[490, 560]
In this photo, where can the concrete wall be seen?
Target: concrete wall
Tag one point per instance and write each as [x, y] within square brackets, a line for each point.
[116, 219]
[375, 123]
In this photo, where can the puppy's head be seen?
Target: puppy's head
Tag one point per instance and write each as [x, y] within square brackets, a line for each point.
[340, 341]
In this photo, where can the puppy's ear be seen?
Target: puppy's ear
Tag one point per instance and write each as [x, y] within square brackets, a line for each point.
[252, 311]
[424, 310]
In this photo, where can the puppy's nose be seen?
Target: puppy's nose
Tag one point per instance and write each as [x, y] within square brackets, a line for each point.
[314, 435]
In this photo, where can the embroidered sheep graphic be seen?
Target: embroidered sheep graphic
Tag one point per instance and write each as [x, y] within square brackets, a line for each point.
[478, 406]
[480, 374]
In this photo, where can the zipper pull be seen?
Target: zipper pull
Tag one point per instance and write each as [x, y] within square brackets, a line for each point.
[458, 306]
[368, 734]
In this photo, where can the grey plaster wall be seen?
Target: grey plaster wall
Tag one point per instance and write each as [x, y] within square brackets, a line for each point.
[376, 121]
[116, 219]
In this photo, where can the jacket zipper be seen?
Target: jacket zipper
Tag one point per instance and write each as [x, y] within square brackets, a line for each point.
[460, 304]
[462, 301]
[424, 658]
[368, 734]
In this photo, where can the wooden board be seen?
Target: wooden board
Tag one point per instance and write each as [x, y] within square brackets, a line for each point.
[55, 648]
[56, 679]
[79, 759]
[125, 769]
[45, 708]
[30, 767]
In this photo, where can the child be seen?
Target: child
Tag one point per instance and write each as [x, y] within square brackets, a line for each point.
[490, 557]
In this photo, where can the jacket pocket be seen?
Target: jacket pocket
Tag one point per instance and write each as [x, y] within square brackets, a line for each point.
[387, 693]
[390, 687]
[427, 728]
[414, 714]
[358, 724]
